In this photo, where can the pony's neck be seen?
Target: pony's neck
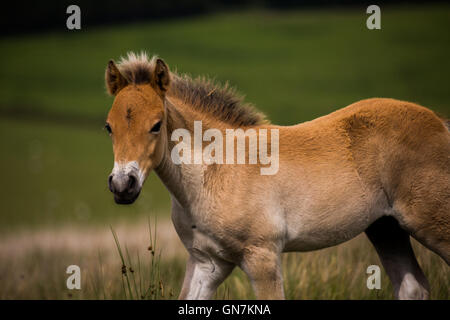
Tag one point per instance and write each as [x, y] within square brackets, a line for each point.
[181, 185]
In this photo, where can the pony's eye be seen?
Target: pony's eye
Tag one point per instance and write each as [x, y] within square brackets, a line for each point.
[156, 128]
[108, 128]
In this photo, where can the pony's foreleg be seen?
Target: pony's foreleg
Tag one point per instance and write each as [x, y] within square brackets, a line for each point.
[263, 267]
[203, 276]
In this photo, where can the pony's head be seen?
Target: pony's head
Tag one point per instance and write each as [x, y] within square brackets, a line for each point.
[139, 86]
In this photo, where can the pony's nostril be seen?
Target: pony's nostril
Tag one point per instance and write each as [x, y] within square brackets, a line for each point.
[131, 183]
[110, 185]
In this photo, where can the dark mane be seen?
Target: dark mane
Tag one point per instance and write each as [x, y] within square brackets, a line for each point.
[205, 95]
[221, 101]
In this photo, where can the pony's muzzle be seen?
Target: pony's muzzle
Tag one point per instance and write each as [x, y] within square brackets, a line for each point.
[125, 187]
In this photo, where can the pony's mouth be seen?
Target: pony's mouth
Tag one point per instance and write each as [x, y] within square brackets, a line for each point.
[121, 198]
[124, 185]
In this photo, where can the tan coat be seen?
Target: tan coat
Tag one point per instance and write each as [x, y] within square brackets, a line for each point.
[379, 166]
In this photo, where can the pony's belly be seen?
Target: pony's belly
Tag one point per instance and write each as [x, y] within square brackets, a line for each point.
[331, 209]
[315, 240]
[311, 230]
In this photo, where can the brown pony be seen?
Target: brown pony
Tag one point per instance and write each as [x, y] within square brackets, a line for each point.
[379, 166]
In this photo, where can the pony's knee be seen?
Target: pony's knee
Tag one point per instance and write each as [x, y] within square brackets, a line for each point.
[411, 289]
[261, 262]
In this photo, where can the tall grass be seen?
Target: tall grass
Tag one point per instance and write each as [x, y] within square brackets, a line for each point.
[139, 265]
[140, 280]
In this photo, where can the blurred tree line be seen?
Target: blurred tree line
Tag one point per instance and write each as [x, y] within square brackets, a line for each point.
[35, 16]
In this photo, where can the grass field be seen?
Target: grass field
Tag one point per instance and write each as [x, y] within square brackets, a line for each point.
[294, 66]
[37, 260]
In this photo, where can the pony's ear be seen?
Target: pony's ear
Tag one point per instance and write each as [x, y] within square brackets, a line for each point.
[161, 77]
[115, 81]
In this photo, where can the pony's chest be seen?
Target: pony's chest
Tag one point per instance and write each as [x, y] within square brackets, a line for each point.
[202, 235]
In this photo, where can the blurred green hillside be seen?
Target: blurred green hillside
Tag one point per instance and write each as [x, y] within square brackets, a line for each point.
[294, 66]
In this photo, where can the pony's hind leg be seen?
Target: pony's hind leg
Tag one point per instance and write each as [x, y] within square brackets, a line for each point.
[393, 246]
[421, 196]
[424, 210]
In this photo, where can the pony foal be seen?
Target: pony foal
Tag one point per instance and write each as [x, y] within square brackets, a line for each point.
[379, 166]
